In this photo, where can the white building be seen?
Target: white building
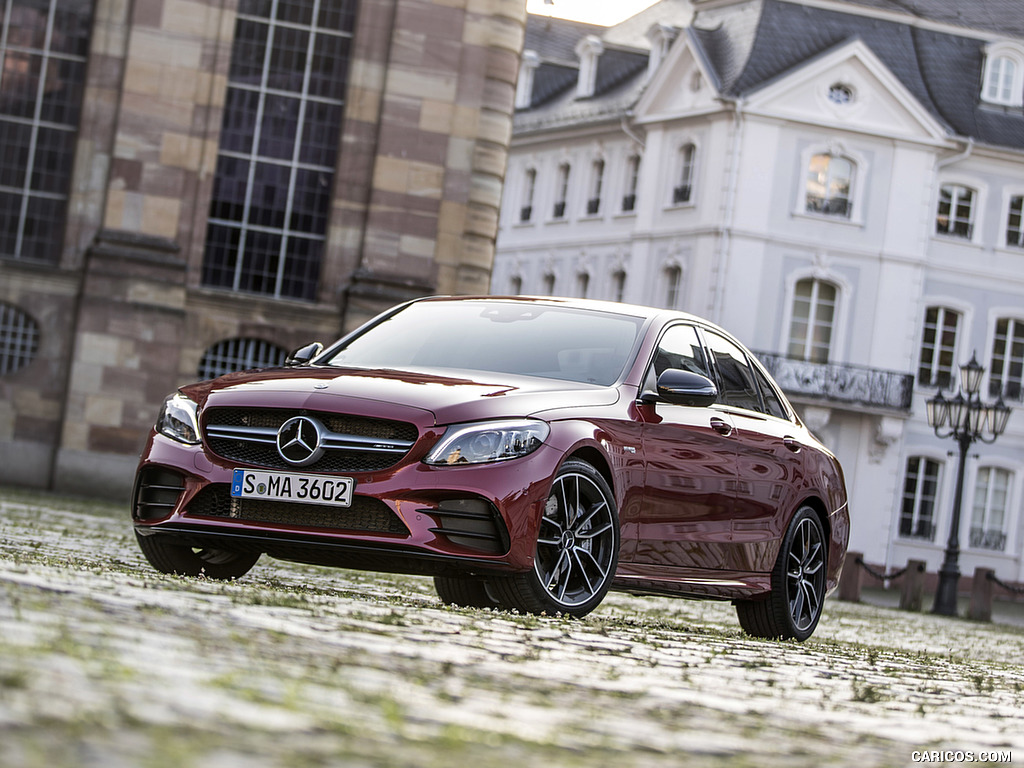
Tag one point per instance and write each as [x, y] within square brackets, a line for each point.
[840, 184]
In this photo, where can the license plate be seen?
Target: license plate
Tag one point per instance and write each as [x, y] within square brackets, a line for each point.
[286, 486]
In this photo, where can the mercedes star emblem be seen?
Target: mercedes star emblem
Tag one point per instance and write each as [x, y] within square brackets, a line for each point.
[300, 441]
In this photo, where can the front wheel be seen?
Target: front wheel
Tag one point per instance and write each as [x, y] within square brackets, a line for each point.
[466, 592]
[195, 561]
[577, 548]
[794, 606]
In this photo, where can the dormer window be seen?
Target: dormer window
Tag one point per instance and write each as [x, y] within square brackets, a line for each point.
[1003, 80]
[660, 36]
[589, 50]
[524, 86]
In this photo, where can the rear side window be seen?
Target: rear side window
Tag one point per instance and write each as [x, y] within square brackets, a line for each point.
[772, 405]
[735, 376]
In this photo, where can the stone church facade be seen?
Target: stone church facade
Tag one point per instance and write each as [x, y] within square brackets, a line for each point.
[193, 186]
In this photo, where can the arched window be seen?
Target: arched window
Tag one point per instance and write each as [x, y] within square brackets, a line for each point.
[516, 285]
[829, 183]
[1007, 364]
[1015, 222]
[619, 285]
[19, 339]
[920, 490]
[673, 286]
[596, 184]
[561, 190]
[632, 180]
[582, 284]
[955, 216]
[938, 347]
[810, 329]
[549, 284]
[682, 192]
[991, 503]
[529, 187]
[233, 355]
[1003, 80]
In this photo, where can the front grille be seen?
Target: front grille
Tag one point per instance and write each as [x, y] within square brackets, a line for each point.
[157, 491]
[366, 513]
[351, 443]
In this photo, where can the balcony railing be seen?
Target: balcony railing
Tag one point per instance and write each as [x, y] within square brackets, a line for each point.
[841, 383]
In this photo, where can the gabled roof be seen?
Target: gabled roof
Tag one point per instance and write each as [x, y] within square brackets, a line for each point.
[749, 45]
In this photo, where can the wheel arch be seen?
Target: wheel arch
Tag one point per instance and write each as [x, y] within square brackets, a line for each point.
[597, 460]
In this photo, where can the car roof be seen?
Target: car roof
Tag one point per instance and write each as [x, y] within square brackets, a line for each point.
[594, 305]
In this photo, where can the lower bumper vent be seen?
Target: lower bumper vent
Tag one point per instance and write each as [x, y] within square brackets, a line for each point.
[366, 514]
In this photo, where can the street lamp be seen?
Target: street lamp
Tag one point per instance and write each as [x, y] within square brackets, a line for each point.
[966, 419]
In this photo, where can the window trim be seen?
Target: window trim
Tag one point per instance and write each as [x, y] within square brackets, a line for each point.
[1012, 504]
[1015, 316]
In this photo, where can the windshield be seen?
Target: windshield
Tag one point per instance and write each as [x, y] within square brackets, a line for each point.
[501, 337]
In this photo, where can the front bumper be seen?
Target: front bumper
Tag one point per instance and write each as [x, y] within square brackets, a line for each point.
[412, 518]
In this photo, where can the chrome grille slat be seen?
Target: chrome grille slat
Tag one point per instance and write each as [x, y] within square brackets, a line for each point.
[351, 443]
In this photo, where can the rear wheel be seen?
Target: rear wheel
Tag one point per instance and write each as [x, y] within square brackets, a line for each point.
[466, 592]
[195, 561]
[794, 606]
[577, 548]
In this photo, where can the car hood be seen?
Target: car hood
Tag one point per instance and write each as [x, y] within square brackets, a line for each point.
[424, 397]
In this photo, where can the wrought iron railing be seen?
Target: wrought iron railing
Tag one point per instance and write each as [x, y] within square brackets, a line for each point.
[840, 382]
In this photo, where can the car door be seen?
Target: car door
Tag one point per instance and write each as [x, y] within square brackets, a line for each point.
[769, 467]
[689, 467]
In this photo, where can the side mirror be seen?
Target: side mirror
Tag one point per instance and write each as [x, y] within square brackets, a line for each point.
[686, 388]
[303, 355]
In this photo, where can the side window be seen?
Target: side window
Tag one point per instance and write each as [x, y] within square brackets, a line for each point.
[735, 377]
[772, 404]
[679, 348]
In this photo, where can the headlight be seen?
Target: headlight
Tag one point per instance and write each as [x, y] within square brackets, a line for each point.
[488, 441]
[178, 419]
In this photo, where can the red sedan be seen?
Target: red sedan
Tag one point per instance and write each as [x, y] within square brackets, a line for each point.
[527, 453]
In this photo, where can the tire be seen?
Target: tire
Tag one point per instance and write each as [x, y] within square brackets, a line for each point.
[193, 561]
[577, 548]
[464, 592]
[794, 606]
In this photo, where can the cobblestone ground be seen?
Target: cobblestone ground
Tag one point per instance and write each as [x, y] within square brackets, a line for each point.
[104, 662]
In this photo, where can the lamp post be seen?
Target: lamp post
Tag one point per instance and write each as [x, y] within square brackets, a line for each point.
[965, 419]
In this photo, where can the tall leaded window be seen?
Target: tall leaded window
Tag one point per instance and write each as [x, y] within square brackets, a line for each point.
[810, 329]
[582, 284]
[515, 285]
[549, 283]
[991, 501]
[233, 355]
[956, 211]
[938, 347]
[829, 180]
[920, 490]
[278, 146]
[43, 50]
[1007, 365]
[683, 189]
[1015, 222]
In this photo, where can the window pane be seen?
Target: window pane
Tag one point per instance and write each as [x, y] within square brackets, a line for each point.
[735, 378]
[679, 349]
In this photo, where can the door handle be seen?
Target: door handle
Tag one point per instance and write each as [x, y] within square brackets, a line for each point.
[792, 444]
[721, 426]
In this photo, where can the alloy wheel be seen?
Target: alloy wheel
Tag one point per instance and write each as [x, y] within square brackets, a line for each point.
[576, 547]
